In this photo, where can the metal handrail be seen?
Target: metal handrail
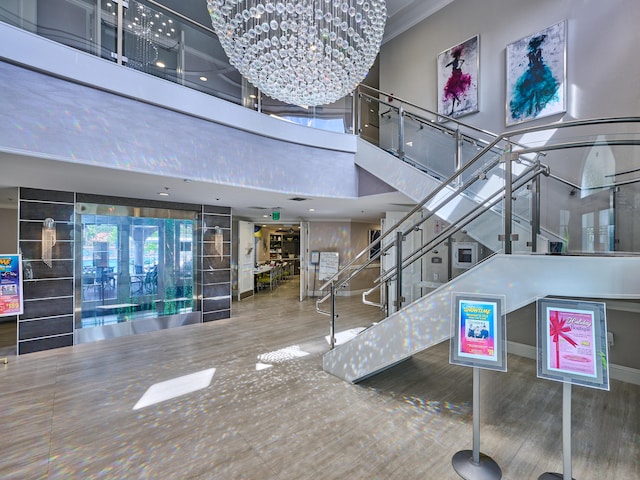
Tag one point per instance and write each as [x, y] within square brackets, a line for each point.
[507, 136]
[504, 136]
[462, 222]
[438, 115]
[415, 209]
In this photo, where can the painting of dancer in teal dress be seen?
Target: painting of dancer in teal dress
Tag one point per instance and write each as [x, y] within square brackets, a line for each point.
[458, 79]
[536, 75]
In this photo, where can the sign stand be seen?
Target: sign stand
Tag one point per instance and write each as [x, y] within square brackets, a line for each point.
[566, 437]
[472, 464]
[572, 349]
[478, 340]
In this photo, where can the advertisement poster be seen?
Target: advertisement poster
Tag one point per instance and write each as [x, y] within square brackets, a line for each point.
[477, 329]
[572, 342]
[10, 285]
[571, 345]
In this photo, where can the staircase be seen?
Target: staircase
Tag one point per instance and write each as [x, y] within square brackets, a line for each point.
[521, 278]
[493, 192]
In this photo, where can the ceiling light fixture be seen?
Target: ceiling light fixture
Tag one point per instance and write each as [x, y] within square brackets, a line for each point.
[165, 193]
[302, 52]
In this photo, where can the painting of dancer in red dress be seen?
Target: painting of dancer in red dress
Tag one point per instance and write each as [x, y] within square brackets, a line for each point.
[458, 79]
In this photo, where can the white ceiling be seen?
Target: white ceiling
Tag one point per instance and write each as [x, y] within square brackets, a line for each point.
[404, 14]
[250, 204]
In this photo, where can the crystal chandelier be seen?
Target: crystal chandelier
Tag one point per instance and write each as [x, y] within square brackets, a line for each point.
[302, 52]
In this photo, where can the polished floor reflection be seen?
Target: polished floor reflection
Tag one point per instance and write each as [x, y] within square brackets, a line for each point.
[270, 412]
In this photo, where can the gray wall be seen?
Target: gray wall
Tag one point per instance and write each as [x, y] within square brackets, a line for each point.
[602, 80]
[602, 39]
[9, 236]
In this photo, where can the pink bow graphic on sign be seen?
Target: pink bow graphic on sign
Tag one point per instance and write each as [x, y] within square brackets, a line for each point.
[557, 329]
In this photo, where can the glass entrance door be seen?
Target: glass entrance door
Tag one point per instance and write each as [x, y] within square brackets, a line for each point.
[134, 266]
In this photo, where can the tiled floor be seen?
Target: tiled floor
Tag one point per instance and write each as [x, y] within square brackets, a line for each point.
[270, 412]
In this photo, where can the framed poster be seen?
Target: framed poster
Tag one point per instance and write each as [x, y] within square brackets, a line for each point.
[536, 75]
[458, 69]
[572, 342]
[329, 262]
[11, 295]
[478, 331]
[373, 236]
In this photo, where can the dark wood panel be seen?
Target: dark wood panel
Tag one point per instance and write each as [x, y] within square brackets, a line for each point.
[208, 235]
[33, 231]
[216, 263]
[217, 290]
[33, 250]
[58, 269]
[60, 212]
[217, 209]
[212, 316]
[45, 327]
[216, 305]
[46, 195]
[48, 288]
[223, 222]
[47, 308]
[32, 346]
[216, 276]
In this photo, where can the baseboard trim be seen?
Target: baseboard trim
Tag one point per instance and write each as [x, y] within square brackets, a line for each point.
[616, 372]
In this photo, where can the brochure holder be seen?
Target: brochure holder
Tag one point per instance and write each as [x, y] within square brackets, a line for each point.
[478, 340]
[573, 349]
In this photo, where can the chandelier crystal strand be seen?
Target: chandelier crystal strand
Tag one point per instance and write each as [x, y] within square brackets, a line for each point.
[304, 52]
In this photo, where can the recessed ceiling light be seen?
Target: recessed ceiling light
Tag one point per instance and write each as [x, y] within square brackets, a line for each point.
[160, 64]
[312, 209]
[203, 78]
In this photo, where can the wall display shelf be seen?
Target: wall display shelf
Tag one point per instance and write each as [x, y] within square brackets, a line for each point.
[284, 246]
[275, 247]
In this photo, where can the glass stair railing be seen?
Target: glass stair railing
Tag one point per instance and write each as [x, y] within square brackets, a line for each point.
[498, 195]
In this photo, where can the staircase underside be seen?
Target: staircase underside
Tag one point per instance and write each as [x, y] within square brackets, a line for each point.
[521, 278]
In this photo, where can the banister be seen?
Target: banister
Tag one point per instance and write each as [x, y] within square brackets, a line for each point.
[349, 271]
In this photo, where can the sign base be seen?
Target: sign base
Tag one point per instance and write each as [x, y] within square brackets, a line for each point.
[485, 469]
[552, 476]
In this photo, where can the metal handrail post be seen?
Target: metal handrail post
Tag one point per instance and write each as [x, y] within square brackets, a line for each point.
[332, 329]
[535, 213]
[399, 298]
[401, 131]
[508, 197]
[119, 33]
[355, 112]
[458, 158]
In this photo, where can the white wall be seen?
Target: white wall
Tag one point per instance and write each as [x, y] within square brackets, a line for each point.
[602, 66]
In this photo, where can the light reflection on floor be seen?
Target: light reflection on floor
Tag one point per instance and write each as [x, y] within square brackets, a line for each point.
[345, 335]
[283, 355]
[175, 387]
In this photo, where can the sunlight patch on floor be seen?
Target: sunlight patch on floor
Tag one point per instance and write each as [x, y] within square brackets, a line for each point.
[345, 335]
[176, 387]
